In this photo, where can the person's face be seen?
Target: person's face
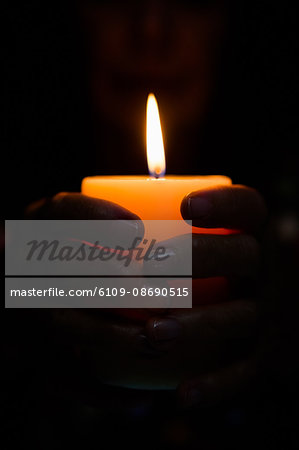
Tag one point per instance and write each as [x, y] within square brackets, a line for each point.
[169, 48]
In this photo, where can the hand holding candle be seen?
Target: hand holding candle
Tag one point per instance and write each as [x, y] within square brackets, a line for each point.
[181, 342]
[184, 337]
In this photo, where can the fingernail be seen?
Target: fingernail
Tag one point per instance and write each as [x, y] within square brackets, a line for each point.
[197, 207]
[168, 262]
[163, 329]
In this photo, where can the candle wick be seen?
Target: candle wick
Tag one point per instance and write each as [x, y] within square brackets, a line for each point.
[157, 173]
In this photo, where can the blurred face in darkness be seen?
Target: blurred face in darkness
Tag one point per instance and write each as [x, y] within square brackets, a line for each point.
[170, 48]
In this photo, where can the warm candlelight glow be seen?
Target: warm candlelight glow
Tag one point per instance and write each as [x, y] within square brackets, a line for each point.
[157, 197]
[154, 139]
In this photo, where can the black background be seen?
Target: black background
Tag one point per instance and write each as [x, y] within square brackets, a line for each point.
[50, 147]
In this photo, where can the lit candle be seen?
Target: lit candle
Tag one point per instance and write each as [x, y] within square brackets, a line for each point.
[159, 197]
[154, 197]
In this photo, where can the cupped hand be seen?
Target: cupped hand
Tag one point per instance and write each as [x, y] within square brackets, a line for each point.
[216, 342]
[111, 344]
[76, 206]
[205, 350]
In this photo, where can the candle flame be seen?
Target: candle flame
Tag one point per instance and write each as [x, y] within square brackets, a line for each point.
[154, 139]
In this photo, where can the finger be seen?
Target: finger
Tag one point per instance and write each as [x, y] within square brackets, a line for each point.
[75, 206]
[98, 328]
[111, 348]
[233, 207]
[105, 330]
[217, 386]
[213, 323]
[237, 255]
[212, 256]
[78, 206]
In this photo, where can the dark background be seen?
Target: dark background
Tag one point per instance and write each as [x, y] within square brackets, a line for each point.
[50, 146]
[250, 134]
